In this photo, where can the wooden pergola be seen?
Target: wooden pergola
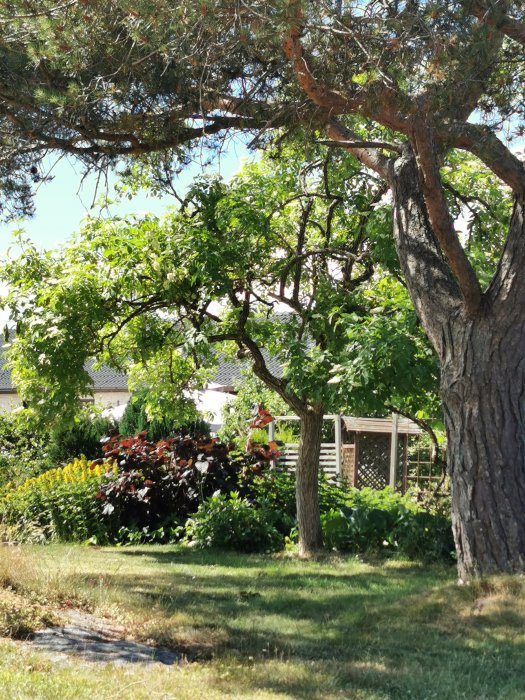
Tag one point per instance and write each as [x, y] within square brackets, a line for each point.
[341, 458]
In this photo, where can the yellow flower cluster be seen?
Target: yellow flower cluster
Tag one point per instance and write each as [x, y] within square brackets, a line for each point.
[80, 469]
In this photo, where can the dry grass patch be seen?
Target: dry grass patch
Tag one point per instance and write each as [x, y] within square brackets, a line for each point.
[194, 643]
[22, 610]
[20, 615]
[33, 596]
[16, 568]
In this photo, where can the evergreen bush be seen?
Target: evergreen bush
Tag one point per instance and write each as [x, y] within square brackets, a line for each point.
[83, 437]
[135, 420]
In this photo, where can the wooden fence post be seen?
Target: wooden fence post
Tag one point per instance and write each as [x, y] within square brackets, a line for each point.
[338, 445]
[393, 451]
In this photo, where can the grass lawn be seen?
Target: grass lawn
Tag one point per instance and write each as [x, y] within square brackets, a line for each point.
[271, 626]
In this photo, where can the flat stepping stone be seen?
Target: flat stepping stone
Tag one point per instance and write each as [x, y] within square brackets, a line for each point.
[97, 642]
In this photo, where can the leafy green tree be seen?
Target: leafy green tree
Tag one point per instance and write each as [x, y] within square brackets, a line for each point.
[274, 266]
[238, 414]
[23, 450]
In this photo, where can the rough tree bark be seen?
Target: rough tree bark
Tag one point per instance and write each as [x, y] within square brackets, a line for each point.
[307, 482]
[483, 382]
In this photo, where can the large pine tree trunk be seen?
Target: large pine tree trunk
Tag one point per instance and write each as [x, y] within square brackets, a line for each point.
[307, 482]
[483, 382]
[483, 392]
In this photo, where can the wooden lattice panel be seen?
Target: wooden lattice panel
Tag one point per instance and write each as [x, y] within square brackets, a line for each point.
[348, 465]
[373, 461]
[371, 477]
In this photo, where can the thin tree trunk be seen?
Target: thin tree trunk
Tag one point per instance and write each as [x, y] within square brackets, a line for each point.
[482, 382]
[307, 482]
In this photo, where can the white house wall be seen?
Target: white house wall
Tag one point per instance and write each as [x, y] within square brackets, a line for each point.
[111, 398]
[10, 401]
[209, 402]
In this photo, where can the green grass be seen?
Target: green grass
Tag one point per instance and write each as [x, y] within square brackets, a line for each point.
[275, 627]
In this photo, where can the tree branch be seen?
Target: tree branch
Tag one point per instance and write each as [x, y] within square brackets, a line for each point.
[386, 108]
[432, 286]
[508, 284]
[299, 250]
[260, 367]
[440, 219]
[484, 144]
[373, 159]
[494, 14]
[44, 13]
[385, 145]
[332, 101]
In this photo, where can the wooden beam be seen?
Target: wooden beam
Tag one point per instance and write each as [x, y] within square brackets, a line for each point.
[393, 451]
[338, 444]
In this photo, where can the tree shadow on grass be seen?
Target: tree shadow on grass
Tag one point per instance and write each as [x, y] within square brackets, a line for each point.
[321, 631]
[209, 557]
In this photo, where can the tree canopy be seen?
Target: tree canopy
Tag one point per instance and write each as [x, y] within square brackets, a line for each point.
[291, 262]
[118, 79]
[280, 268]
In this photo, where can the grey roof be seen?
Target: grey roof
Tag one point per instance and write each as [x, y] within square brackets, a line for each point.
[5, 379]
[107, 379]
[104, 379]
[229, 372]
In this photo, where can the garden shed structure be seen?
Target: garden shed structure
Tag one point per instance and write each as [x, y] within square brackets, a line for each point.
[365, 452]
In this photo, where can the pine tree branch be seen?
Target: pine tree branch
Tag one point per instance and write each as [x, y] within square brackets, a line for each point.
[495, 15]
[440, 219]
[43, 13]
[483, 143]
[373, 159]
[385, 145]
[508, 284]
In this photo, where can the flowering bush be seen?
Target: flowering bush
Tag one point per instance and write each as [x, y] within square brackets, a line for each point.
[140, 491]
[59, 504]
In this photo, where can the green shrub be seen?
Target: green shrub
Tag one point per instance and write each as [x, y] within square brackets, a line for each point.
[384, 520]
[426, 536]
[135, 420]
[23, 450]
[358, 529]
[81, 438]
[233, 523]
[275, 489]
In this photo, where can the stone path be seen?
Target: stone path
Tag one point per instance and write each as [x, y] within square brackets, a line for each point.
[90, 639]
